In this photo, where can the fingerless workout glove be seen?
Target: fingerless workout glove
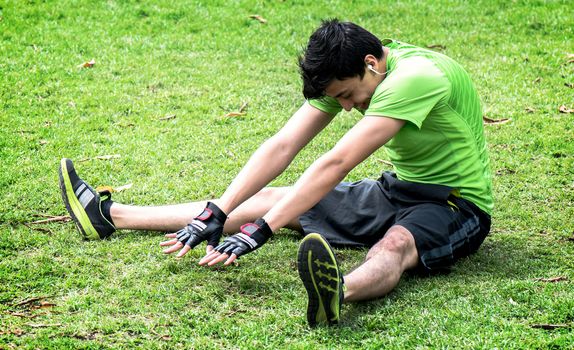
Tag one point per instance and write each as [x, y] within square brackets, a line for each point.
[251, 237]
[206, 226]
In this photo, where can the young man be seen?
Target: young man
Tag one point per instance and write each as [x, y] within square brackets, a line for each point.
[434, 209]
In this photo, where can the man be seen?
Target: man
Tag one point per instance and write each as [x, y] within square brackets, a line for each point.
[434, 209]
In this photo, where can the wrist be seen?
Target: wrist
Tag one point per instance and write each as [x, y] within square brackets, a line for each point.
[212, 210]
[273, 222]
[264, 227]
[258, 231]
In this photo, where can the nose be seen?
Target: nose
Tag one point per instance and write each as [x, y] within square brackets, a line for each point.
[346, 104]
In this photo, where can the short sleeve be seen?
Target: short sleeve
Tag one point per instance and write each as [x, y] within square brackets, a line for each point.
[410, 91]
[326, 104]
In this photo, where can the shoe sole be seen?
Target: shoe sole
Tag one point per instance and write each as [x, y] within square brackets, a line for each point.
[321, 298]
[75, 209]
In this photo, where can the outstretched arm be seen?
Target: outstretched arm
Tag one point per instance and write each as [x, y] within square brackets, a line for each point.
[274, 155]
[368, 135]
[268, 162]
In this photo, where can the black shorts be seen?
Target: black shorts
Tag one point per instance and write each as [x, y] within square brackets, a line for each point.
[445, 227]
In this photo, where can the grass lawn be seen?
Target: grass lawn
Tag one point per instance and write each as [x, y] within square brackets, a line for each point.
[166, 73]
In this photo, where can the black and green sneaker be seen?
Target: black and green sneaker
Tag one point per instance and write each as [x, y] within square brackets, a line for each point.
[322, 278]
[84, 204]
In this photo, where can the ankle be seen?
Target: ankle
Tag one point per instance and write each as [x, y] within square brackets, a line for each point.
[106, 207]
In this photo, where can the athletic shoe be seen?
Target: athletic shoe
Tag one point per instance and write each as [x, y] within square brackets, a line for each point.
[322, 279]
[84, 204]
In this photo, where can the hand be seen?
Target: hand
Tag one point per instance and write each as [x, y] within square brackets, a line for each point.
[251, 237]
[206, 226]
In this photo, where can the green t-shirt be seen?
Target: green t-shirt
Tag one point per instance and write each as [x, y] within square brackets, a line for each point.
[443, 140]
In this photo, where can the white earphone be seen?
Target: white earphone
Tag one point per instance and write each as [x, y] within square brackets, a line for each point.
[370, 67]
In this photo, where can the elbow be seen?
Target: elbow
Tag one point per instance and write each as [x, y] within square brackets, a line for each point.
[284, 147]
[280, 148]
[336, 164]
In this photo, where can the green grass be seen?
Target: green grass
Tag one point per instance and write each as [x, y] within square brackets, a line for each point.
[200, 61]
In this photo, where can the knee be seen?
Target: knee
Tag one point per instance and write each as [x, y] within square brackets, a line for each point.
[397, 240]
[270, 194]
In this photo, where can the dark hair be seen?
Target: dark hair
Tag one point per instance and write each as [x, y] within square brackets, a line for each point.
[335, 50]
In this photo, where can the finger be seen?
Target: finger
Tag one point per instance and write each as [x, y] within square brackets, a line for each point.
[208, 249]
[184, 251]
[170, 242]
[173, 248]
[212, 255]
[209, 256]
[220, 248]
[171, 235]
[218, 259]
[230, 260]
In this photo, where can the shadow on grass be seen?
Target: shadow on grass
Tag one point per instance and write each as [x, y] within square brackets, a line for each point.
[500, 259]
[130, 234]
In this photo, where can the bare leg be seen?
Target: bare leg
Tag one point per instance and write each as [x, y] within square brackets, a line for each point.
[174, 217]
[383, 267]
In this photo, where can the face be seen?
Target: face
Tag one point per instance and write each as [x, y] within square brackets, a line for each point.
[354, 92]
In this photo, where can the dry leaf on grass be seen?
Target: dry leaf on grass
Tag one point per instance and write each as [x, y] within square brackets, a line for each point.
[552, 279]
[537, 80]
[161, 336]
[234, 114]
[43, 305]
[168, 117]
[386, 162]
[258, 18]
[88, 64]
[17, 332]
[550, 326]
[487, 120]
[239, 112]
[22, 314]
[41, 229]
[108, 157]
[113, 189]
[505, 171]
[123, 187]
[88, 336]
[31, 300]
[564, 109]
[529, 110]
[105, 157]
[41, 325]
[436, 46]
[59, 218]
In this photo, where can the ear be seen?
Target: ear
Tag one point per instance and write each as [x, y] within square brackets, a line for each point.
[371, 60]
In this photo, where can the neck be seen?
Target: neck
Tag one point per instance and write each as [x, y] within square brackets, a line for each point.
[383, 63]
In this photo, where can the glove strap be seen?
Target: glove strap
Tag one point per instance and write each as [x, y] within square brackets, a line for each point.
[211, 210]
[261, 225]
